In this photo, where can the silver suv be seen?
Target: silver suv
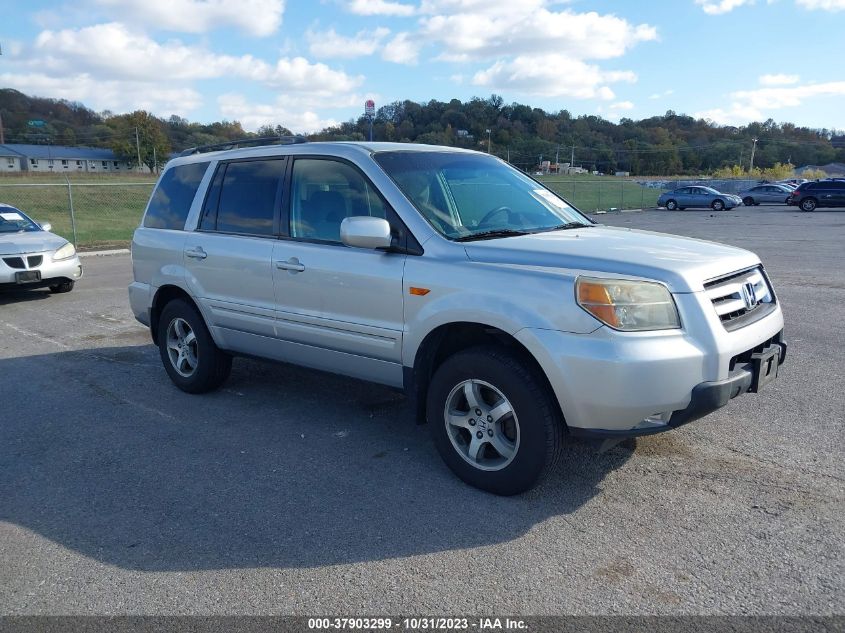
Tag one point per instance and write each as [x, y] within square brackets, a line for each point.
[508, 317]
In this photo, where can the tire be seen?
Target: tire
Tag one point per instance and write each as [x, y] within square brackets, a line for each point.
[199, 365]
[748, 202]
[529, 425]
[671, 205]
[62, 287]
[717, 205]
[808, 204]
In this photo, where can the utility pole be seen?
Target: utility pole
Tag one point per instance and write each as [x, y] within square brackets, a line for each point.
[509, 154]
[572, 159]
[488, 139]
[557, 158]
[753, 149]
[155, 160]
[138, 147]
[2, 135]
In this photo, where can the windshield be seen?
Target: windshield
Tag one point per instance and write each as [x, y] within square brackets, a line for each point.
[469, 195]
[14, 221]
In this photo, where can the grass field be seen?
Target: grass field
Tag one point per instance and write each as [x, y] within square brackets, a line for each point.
[106, 212]
[591, 194]
[108, 208]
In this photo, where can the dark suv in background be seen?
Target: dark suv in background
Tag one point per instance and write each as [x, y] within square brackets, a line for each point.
[819, 193]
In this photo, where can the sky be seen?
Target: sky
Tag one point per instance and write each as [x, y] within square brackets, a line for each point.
[308, 64]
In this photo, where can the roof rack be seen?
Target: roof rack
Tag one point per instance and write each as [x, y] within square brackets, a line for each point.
[245, 142]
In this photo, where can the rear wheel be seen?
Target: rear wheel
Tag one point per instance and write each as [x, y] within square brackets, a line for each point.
[748, 201]
[62, 287]
[808, 204]
[190, 357]
[718, 205]
[493, 420]
[671, 205]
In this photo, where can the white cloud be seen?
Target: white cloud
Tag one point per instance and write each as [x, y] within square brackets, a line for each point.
[621, 105]
[721, 6]
[402, 49]
[136, 71]
[99, 94]
[824, 5]
[757, 105]
[519, 28]
[551, 76]
[256, 17]
[381, 7]
[778, 80]
[329, 44]
[660, 95]
[283, 112]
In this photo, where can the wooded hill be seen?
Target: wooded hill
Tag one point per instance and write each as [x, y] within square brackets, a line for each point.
[661, 145]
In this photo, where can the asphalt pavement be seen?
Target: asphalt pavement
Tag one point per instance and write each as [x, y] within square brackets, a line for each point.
[296, 492]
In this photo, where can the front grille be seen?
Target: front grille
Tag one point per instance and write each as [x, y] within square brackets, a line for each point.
[741, 298]
[745, 357]
[34, 261]
[14, 262]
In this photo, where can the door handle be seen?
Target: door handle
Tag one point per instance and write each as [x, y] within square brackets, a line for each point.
[196, 253]
[292, 265]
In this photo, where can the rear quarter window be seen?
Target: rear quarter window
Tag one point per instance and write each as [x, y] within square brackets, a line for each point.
[171, 202]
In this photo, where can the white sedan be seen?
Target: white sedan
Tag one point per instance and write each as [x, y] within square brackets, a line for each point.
[32, 257]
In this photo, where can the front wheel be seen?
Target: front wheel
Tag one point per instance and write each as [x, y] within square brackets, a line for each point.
[62, 287]
[493, 420]
[190, 357]
[718, 205]
[808, 204]
[748, 202]
[671, 205]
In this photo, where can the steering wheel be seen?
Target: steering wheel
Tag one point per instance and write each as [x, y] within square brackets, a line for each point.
[493, 212]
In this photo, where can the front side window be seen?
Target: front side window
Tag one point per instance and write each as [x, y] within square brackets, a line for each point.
[323, 193]
[473, 196]
[248, 196]
[171, 202]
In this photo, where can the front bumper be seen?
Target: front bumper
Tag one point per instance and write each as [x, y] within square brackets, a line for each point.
[610, 384]
[50, 272]
[706, 398]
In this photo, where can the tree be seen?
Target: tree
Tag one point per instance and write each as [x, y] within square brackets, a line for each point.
[151, 141]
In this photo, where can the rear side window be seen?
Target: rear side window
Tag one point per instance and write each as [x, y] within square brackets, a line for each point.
[244, 197]
[169, 206]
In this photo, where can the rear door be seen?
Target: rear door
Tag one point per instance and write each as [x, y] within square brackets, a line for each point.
[837, 193]
[229, 258]
[683, 197]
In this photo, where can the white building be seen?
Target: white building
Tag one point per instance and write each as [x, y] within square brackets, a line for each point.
[60, 159]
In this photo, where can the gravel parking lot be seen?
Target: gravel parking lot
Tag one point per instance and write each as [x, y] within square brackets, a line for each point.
[292, 491]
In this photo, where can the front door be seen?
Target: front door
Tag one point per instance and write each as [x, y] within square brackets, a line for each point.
[344, 303]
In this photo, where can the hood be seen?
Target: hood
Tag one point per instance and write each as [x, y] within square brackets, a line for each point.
[683, 263]
[31, 242]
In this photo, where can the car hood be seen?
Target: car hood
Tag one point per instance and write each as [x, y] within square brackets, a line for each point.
[683, 263]
[31, 242]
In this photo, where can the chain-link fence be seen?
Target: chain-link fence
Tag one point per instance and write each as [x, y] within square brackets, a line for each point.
[608, 193]
[90, 214]
[104, 214]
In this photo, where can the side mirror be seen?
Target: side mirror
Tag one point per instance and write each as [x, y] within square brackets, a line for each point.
[46, 227]
[364, 231]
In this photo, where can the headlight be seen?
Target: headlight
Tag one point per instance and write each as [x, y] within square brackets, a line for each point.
[65, 252]
[629, 306]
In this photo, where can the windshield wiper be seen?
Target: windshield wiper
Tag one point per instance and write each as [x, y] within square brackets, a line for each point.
[489, 235]
[563, 227]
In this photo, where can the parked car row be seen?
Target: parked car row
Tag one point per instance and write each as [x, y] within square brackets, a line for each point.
[808, 195]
